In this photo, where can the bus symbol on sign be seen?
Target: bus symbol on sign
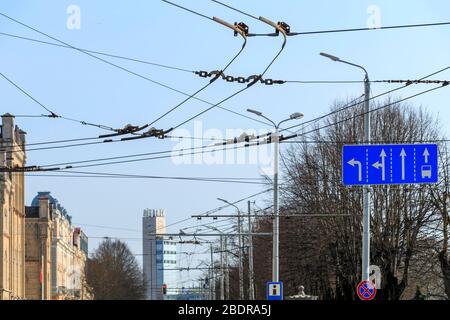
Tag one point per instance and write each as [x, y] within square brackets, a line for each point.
[426, 172]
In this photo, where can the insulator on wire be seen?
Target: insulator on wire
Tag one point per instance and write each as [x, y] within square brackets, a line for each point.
[283, 25]
[241, 26]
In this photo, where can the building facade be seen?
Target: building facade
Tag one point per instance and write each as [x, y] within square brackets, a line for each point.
[12, 211]
[166, 263]
[38, 246]
[56, 266]
[159, 257]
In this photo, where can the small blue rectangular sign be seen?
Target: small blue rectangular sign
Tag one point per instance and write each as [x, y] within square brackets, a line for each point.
[275, 291]
[389, 164]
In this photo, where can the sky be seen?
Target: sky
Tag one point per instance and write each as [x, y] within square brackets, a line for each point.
[75, 85]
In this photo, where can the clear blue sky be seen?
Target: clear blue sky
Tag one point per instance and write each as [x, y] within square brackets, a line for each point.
[75, 85]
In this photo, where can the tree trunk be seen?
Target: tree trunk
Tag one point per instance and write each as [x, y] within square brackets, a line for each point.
[445, 266]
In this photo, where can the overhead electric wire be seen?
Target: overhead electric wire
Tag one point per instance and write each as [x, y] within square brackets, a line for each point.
[99, 53]
[272, 82]
[250, 84]
[123, 68]
[212, 80]
[334, 30]
[408, 82]
[182, 154]
[146, 159]
[30, 116]
[219, 208]
[371, 29]
[371, 141]
[187, 70]
[192, 153]
[351, 105]
[52, 114]
[237, 10]
[145, 154]
[347, 106]
[205, 224]
[19, 147]
[311, 122]
[363, 113]
[133, 230]
[79, 174]
[187, 9]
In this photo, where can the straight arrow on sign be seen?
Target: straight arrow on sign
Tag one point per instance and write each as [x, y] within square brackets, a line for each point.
[381, 165]
[426, 154]
[403, 155]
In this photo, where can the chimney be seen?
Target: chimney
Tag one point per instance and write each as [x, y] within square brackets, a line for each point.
[8, 127]
[76, 237]
[44, 209]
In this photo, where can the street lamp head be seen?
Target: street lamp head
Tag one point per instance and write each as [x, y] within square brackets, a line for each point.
[329, 56]
[223, 200]
[258, 113]
[297, 116]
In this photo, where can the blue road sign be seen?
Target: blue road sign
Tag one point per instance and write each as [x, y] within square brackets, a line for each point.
[275, 291]
[389, 164]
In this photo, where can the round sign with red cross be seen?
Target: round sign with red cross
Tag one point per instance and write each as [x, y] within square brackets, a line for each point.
[366, 290]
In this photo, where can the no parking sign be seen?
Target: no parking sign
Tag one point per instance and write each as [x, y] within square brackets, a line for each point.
[366, 290]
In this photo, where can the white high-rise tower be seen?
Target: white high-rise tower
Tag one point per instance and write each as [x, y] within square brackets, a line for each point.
[160, 257]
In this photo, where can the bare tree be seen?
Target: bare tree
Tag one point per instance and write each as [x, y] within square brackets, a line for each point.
[441, 201]
[324, 253]
[114, 274]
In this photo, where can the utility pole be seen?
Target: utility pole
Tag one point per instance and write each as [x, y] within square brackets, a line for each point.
[366, 199]
[251, 295]
[222, 270]
[212, 281]
[366, 191]
[276, 221]
[227, 271]
[276, 210]
[241, 262]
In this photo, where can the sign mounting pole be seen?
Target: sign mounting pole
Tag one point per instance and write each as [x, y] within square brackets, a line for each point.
[366, 195]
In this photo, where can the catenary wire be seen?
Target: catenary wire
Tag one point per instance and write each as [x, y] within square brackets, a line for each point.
[51, 113]
[365, 100]
[124, 69]
[19, 147]
[364, 113]
[240, 91]
[350, 105]
[210, 82]
[192, 153]
[144, 154]
[100, 53]
[336, 30]
[128, 176]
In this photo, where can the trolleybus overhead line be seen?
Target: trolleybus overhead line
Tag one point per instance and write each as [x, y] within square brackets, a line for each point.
[289, 33]
[53, 114]
[238, 30]
[115, 65]
[279, 28]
